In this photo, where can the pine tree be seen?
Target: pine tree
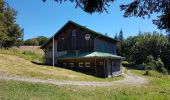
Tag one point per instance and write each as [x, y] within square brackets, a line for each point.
[116, 37]
[120, 37]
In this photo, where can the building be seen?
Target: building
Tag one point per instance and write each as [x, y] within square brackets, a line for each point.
[78, 47]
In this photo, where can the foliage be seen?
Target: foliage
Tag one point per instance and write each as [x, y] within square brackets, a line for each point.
[120, 37]
[41, 40]
[119, 45]
[142, 8]
[38, 41]
[140, 48]
[159, 65]
[31, 42]
[10, 32]
[155, 64]
[90, 6]
[150, 61]
[147, 73]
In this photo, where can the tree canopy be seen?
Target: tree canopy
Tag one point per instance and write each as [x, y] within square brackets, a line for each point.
[136, 49]
[38, 41]
[10, 33]
[137, 8]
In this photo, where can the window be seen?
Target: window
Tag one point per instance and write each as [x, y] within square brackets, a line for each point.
[71, 64]
[80, 64]
[50, 48]
[87, 64]
[74, 32]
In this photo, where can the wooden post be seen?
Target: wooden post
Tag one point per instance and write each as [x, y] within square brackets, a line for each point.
[53, 53]
[95, 67]
[104, 68]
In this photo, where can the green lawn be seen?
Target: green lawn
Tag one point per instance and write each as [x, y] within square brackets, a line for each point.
[13, 90]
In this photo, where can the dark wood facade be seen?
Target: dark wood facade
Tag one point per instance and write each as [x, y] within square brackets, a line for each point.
[73, 38]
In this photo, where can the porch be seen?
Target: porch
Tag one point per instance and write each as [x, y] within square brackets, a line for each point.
[97, 63]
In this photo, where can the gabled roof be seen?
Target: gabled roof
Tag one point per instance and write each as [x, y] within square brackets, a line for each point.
[83, 27]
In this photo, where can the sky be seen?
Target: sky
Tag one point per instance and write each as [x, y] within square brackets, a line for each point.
[44, 19]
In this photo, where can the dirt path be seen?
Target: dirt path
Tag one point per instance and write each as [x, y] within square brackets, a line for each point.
[129, 79]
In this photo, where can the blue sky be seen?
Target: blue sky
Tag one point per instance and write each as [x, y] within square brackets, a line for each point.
[44, 19]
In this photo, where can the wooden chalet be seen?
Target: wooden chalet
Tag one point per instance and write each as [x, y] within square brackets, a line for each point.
[77, 47]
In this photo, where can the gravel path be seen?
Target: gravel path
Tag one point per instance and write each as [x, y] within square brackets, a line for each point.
[129, 79]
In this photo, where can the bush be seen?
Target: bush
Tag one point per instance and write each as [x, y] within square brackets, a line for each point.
[159, 65]
[150, 62]
[156, 65]
[147, 73]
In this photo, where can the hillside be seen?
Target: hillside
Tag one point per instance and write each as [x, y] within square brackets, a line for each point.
[19, 64]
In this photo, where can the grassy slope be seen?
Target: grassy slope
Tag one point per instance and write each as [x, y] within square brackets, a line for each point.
[14, 65]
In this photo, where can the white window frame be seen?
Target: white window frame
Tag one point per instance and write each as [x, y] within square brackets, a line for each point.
[81, 64]
[87, 64]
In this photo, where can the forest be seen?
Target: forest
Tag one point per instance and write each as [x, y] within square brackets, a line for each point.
[147, 48]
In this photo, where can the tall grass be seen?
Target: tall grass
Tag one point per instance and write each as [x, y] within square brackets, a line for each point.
[28, 55]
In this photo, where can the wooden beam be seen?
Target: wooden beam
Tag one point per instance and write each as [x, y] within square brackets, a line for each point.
[95, 66]
[104, 68]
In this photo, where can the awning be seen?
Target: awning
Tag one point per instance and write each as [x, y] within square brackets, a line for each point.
[90, 55]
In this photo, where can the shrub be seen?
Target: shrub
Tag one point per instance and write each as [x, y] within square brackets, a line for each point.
[150, 61]
[159, 65]
[147, 73]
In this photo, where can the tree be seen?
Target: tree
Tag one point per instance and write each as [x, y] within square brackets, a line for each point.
[142, 8]
[31, 42]
[10, 32]
[38, 41]
[120, 37]
[90, 6]
[137, 49]
[116, 37]
[41, 40]
[138, 8]
[119, 46]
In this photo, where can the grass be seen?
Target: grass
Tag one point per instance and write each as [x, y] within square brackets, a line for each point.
[27, 54]
[14, 90]
[17, 66]
[155, 77]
